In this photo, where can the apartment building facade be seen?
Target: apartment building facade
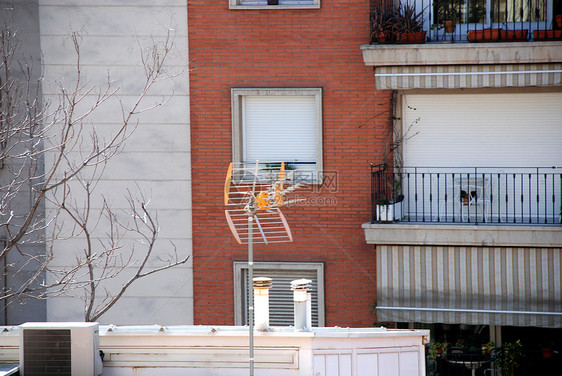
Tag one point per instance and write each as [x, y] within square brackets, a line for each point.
[285, 83]
[463, 136]
[477, 176]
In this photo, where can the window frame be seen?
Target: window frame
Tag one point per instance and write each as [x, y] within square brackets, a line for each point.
[237, 95]
[239, 266]
[238, 5]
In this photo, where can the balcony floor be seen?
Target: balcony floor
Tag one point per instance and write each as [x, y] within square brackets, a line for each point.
[466, 234]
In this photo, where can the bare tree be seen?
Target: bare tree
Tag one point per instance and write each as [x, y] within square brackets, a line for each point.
[51, 155]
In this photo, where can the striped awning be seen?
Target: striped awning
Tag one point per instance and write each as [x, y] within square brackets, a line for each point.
[467, 76]
[470, 285]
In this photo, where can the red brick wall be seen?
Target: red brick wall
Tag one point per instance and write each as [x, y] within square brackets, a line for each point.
[287, 48]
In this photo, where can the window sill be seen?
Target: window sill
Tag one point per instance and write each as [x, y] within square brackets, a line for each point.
[283, 4]
[273, 7]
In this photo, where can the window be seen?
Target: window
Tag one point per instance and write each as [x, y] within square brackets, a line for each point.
[280, 295]
[519, 10]
[281, 4]
[497, 12]
[274, 125]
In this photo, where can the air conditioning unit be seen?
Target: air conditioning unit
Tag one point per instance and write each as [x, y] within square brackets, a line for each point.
[60, 348]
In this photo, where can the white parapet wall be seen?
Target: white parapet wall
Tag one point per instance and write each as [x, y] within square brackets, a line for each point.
[223, 350]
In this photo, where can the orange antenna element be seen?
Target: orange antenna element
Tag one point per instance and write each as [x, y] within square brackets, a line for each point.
[227, 184]
[282, 174]
[279, 186]
[278, 194]
[262, 201]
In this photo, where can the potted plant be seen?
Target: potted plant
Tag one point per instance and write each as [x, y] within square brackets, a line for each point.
[447, 13]
[547, 351]
[458, 348]
[390, 209]
[381, 26]
[554, 34]
[436, 350]
[544, 35]
[272, 2]
[484, 35]
[514, 35]
[488, 348]
[408, 25]
[450, 26]
[508, 357]
[558, 21]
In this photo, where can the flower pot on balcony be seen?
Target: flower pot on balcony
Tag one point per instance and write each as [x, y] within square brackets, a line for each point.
[411, 38]
[558, 21]
[486, 35]
[382, 38]
[272, 2]
[389, 212]
[547, 353]
[450, 26]
[542, 35]
[514, 35]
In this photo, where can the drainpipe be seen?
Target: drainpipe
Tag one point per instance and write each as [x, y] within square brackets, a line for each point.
[303, 304]
[261, 302]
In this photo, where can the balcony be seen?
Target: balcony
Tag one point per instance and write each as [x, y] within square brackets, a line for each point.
[486, 43]
[466, 20]
[458, 251]
[476, 195]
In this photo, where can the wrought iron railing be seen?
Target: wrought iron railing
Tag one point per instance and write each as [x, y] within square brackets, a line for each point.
[521, 195]
[468, 20]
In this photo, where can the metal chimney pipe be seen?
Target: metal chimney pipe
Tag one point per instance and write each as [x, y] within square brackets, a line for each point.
[261, 302]
[303, 306]
[309, 310]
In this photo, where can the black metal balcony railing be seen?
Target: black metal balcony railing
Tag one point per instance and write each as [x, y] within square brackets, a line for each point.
[467, 195]
[468, 20]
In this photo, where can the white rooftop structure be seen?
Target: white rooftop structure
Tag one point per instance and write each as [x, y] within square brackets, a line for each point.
[223, 350]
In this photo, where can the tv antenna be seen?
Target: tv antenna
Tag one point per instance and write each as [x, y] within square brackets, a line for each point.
[253, 197]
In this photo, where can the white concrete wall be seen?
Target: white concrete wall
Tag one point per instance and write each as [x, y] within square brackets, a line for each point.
[155, 160]
[213, 351]
[22, 17]
[207, 351]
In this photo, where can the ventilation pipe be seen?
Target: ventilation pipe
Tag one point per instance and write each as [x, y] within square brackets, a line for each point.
[303, 305]
[261, 302]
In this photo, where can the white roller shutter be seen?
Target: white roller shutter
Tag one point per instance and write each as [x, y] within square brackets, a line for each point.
[483, 130]
[279, 128]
